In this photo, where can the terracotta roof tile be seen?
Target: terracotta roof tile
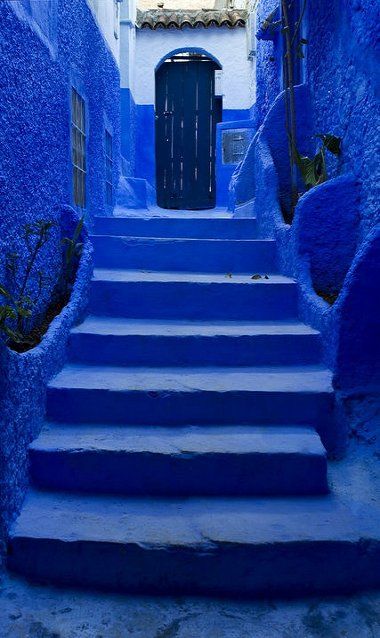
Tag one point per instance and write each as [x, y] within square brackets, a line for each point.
[167, 18]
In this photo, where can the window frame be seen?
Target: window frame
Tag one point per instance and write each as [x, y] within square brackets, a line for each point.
[78, 150]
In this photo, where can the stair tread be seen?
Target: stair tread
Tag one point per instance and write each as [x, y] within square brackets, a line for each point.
[181, 440]
[143, 239]
[147, 215]
[222, 379]
[177, 224]
[153, 523]
[124, 326]
[124, 275]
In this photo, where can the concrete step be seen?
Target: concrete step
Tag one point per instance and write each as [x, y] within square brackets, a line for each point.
[119, 341]
[244, 210]
[229, 460]
[217, 546]
[197, 396]
[164, 295]
[185, 255]
[211, 227]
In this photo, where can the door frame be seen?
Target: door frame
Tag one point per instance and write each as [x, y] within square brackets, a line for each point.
[193, 53]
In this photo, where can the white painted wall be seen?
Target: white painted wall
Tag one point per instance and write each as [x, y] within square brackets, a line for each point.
[127, 43]
[107, 14]
[228, 46]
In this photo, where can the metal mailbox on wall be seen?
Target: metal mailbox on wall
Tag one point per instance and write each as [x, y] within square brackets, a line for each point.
[235, 144]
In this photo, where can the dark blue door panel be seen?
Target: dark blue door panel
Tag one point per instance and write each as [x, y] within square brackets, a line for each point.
[186, 117]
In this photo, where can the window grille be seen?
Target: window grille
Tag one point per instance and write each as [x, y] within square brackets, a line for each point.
[78, 148]
[109, 168]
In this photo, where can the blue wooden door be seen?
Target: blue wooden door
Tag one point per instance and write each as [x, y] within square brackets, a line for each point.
[186, 117]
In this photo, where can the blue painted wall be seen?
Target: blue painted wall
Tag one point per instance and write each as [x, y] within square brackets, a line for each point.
[332, 243]
[343, 85]
[128, 131]
[46, 47]
[138, 128]
[345, 89]
[145, 143]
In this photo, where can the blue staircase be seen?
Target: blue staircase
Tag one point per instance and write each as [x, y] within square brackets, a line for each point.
[182, 448]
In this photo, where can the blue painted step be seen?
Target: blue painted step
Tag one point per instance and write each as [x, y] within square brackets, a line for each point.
[161, 295]
[133, 342]
[229, 460]
[218, 546]
[179, 396]
[191, 227]
[226, 410]
[185, 255]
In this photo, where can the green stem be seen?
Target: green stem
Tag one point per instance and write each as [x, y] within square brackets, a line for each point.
[299, 22]
[289, 95]
[37, 248]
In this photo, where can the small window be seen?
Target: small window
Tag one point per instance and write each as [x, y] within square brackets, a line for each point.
[78, 148]
[109, 169]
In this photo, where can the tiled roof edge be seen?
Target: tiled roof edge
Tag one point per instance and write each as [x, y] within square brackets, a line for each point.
[169, 19]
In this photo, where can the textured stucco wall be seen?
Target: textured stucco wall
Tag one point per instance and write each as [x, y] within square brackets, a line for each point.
[341, 72]
[41, 59]
[268, 70]
[333, 243]
[23, 382]
[345, 83]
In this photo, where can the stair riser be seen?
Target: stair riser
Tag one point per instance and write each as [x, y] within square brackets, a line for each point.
[189, 407]
[190, 228]
[135, 350]
[184, 255]
[268, 569]
[186, 300]
[186, 474]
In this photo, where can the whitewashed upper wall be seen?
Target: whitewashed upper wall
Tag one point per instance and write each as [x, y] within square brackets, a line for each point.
[107, 15]
[127, 43]
[228, 46]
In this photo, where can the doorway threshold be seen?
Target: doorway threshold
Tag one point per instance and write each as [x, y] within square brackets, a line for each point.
[155, 211]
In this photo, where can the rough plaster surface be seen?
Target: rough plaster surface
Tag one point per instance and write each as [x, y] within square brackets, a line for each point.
[42, 54]
[36, 174]
[333, 242]
[345, 90]
[23, 388]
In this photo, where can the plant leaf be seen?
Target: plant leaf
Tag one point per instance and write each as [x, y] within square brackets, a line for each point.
[331, 142]
[307, 169]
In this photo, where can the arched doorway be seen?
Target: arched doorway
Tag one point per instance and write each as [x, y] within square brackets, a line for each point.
[187, 112]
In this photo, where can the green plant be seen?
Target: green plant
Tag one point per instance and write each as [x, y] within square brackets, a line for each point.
[313, 170]
[19, 304]
[20, 327]
[8, 317]
[293, 48]
[72, 250]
